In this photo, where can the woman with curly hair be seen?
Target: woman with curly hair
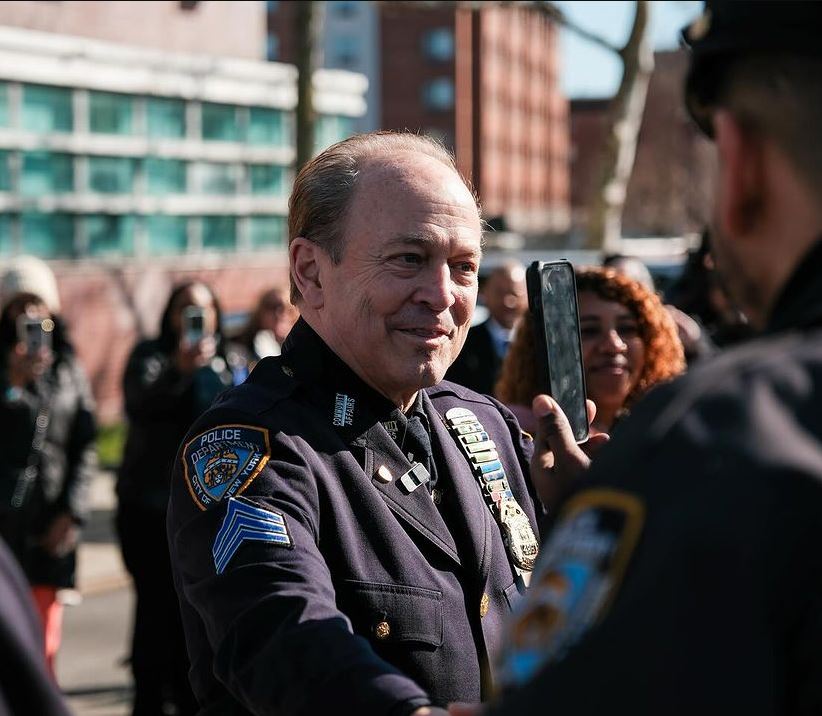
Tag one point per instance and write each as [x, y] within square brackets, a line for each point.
[629, 344]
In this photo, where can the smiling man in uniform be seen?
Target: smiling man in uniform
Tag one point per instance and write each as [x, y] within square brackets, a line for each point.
[369, 527]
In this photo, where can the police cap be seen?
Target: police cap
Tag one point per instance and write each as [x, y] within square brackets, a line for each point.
[733, 28]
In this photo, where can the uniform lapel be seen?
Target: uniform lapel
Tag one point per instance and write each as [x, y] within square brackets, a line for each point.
[416, 508]
[471, 511]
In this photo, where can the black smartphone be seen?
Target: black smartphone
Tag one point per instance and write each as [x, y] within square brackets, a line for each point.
[193, 325]
[35, 333]
[552, 302]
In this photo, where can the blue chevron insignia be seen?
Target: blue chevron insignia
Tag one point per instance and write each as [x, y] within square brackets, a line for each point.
[244, 522]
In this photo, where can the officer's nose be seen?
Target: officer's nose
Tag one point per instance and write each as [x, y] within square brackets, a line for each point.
[436, 288]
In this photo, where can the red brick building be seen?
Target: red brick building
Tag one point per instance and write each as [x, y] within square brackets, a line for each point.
[486, 82]
[671, 187]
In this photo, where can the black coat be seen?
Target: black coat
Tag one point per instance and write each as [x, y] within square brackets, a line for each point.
[161, 404]
[702, 521]
[366, 598]
[64, 468]
[478, 365]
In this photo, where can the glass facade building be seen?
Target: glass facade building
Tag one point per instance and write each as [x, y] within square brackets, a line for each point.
[159, 160]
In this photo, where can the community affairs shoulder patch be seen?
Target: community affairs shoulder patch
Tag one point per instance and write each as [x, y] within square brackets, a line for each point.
[222, 462]
[575, 580]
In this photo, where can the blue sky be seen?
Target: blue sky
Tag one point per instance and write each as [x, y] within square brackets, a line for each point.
[589, 71]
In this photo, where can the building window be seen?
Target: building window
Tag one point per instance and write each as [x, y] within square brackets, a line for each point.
[5, 172]
[438, 94]
[267, 232]
[165, 176]
[438, 44]
[221, 122]
[266, 126]
[165, 117]
[331, 128]
[167, 234]
[111, 113]
[47, 109]
[345, 51]
[219, 233]
[49, 236]
[6, 247]
[211, 178]
[272, 47]
[46, 173]
[267, 179]
[4, 105]
[111, 175]
[109, 234]
[345, 8]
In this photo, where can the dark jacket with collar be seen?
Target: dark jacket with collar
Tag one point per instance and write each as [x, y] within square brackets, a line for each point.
[709, 499]
[374, 598]
[478, 365]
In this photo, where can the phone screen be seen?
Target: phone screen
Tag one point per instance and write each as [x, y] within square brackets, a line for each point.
[552, 298]
[35, 333]
[193, 324]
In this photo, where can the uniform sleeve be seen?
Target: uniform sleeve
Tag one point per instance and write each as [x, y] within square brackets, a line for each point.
[251, 568]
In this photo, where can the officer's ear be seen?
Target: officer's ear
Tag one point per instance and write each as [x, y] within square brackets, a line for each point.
[741, 187]
[306, 258]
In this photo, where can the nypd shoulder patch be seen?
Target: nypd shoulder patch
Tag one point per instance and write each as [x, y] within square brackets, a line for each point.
[221, 462]
[245, 522]
[576, 578]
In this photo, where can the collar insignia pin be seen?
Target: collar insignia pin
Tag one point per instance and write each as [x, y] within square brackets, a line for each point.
[343, 410]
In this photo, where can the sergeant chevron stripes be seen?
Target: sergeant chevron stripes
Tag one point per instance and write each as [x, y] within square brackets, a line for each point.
[245, 522]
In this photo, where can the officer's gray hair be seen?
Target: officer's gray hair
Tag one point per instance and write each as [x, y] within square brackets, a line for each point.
[780, 96]
[324, 187]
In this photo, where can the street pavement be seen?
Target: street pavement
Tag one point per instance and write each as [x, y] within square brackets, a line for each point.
[92, 664]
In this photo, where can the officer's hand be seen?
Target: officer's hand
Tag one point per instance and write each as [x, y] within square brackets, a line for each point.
[558, 461]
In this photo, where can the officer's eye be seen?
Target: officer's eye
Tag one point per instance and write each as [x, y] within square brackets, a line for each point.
[410, 259]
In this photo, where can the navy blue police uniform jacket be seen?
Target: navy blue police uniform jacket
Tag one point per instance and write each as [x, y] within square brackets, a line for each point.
[685, 577]
[309, 580]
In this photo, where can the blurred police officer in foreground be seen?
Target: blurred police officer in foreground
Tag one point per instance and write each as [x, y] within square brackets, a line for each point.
[347, 532]
[684, 576]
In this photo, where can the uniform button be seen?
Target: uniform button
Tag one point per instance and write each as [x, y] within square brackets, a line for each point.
[485, 602]
[382, 630]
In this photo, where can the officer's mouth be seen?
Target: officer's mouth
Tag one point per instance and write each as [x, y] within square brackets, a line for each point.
[432, 337]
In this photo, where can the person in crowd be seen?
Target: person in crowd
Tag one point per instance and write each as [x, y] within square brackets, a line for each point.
[26, 684]
[506, 299]
[267, 328]
[683, 573]
[48, 449]
[347, 531]
[168, 382]
[699, 293]
[629, 344]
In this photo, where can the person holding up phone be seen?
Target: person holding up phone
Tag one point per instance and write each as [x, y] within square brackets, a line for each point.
[168, 382]
[47, 444]
[629, 344]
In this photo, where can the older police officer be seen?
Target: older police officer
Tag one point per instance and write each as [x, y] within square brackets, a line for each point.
[685, 576]
[346, 531]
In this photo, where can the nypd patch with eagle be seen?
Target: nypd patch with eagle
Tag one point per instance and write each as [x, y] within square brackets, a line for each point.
[222, 462]
[576, 579]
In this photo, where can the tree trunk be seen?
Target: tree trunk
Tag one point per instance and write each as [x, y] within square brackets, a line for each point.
[307, 31]
[626, 110]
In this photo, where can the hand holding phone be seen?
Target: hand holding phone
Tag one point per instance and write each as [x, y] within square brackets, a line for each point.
[35, 334]
[552, 303]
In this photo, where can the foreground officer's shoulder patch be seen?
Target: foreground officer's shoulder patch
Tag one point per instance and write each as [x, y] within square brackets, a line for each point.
[244, 522]
[221, 462]
[576, 578]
